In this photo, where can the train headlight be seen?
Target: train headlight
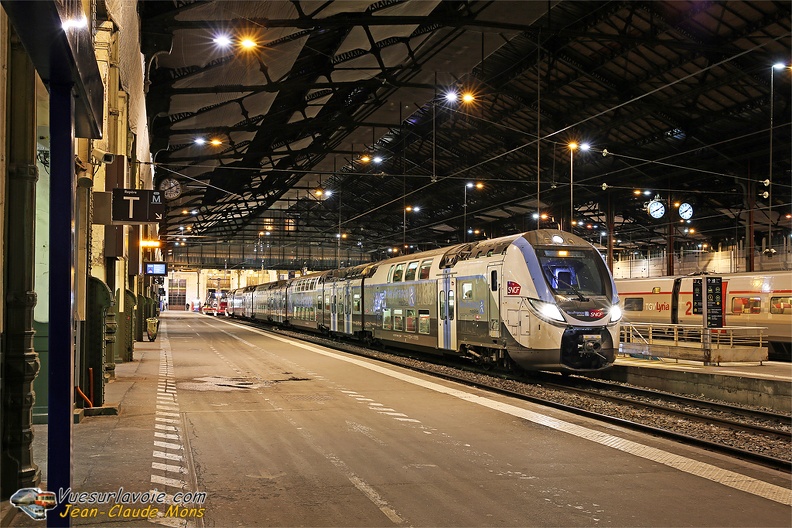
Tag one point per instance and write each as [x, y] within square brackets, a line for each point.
[615, 313]
[547, 310]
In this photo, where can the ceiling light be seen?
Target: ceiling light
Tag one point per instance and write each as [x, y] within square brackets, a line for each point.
[248, 43]
[222, 40]
[216, 142]
[451, 97]
[468, 98]
[200, 141]
[365, 158]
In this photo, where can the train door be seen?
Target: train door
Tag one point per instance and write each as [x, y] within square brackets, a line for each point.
[446, 316]
[348, 307]
[334, 307]
[675, 301]
[493, 310]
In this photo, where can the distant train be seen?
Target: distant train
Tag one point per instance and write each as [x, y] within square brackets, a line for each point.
[762, 299]
[542, 299]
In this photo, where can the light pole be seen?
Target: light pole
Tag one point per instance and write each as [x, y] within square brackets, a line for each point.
[468, 185]
[407, 209]
[776, 66]
[572, 148]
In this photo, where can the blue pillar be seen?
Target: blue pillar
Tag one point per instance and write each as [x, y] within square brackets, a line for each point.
[61, 307]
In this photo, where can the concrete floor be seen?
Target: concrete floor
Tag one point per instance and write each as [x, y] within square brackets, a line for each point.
[278, 433]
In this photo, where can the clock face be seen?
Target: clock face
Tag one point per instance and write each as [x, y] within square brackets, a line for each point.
[686, 211]
[656, 209]
[171, 188]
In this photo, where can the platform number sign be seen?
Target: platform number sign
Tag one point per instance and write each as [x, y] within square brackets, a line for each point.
[714, 302]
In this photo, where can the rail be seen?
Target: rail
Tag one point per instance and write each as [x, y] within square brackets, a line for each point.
[695, 342]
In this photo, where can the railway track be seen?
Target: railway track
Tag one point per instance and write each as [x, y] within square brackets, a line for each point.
[745, 433]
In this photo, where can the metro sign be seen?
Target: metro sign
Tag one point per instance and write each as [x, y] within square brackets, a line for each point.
[137, 206]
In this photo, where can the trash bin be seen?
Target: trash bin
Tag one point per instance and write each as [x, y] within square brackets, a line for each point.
[152, 325]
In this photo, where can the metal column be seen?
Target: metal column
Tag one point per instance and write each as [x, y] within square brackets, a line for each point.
[20, 362]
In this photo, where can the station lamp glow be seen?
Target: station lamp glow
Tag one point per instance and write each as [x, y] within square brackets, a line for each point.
[365, 158]
[247, 43]
[468, 97]
[215, 142]
[223, 41]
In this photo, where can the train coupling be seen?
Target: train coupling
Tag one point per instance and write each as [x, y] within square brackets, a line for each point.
[592, 344]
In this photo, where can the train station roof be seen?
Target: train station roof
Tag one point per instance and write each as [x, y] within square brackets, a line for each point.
[314, 120]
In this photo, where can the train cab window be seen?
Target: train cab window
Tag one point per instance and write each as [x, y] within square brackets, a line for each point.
[411, 269]
[390, 273]
[425, 266]
[423, 321]
[467, 290]
[781, 305]
[409, 320]
[633, 304]
[494, 280]
[398, 320]
[387, 322]
[451, 305]
[398, 272]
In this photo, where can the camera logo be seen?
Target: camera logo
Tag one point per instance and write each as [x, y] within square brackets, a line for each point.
[34, 502]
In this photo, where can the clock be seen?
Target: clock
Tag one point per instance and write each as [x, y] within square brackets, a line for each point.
[656, 209]
[685, 211]
[171, 188]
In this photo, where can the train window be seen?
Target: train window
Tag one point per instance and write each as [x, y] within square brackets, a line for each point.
[319, 302]
[398, 320]
[425, 266]
[390, 274]
[423, 321]
[781, 305]
[467, 290]
[356, 303]
[410, 320]
[494, 280]
[411, 268]
[397, 273]
[746, 305]
[450, 305]
[333, 305]
[387, 323]
[442, 312]
[327, 302]
[633, 304]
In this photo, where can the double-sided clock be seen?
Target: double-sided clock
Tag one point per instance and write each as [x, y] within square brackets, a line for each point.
[685, 211]
[655, 208]
[171, 188]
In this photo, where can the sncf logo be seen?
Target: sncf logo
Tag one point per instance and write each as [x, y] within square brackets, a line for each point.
[513, 288]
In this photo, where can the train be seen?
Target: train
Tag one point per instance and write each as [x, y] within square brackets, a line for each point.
[540, 300]
[760, 299]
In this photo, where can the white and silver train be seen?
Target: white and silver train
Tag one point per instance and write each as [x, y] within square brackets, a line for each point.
[761, 299]
[542, 299]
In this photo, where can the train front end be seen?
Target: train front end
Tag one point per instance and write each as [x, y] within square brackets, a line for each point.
[559, 292]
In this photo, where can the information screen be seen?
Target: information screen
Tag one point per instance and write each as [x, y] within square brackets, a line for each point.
[156, 268]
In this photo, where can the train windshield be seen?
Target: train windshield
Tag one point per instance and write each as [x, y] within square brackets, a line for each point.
[578, 272]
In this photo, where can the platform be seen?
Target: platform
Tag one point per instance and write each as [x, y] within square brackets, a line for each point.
[276, 432]
[764, 384]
